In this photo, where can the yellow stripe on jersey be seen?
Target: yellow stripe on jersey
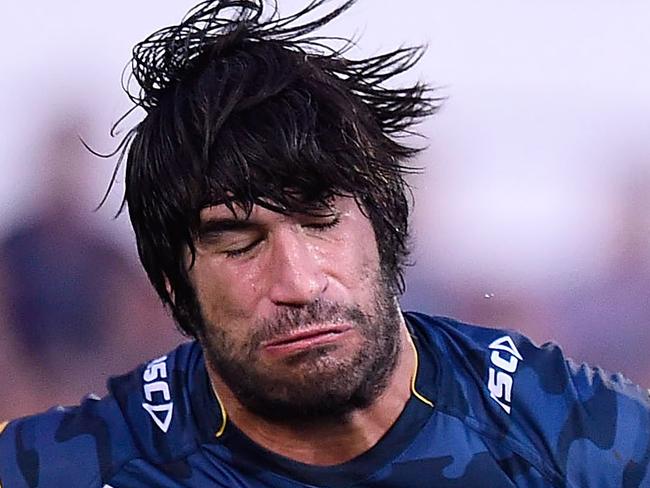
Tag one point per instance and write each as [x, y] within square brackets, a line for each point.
[224, 417]
[415, 374]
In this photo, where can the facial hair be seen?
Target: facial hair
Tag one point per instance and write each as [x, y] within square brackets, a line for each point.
[323, 387]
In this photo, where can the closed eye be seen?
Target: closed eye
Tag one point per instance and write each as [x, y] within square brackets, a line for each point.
[230, 237]
[322, 224]
[231, 253]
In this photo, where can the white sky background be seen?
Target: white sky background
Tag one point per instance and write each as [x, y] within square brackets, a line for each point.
[548, 102]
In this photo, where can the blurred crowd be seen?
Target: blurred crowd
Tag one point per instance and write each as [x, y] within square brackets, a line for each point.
[75, 306]
[600, 317]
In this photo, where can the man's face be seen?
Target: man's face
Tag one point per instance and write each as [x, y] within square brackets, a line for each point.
[297, 317]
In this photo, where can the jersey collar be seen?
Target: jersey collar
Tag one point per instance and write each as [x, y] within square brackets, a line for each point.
[216, 429]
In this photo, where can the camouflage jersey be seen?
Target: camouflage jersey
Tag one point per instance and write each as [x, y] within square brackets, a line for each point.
[488, 409]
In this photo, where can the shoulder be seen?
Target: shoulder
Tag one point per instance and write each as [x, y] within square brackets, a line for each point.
[157, 400]
[576, 422]
[76, 446]
[87, 444]
[593, 425]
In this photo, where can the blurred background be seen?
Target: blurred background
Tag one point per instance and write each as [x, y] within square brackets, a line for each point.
[533, 210]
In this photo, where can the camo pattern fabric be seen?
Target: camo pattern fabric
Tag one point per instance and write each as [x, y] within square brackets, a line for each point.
[488, 409]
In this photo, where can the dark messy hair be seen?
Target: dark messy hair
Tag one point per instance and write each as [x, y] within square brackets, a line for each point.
[246, 108]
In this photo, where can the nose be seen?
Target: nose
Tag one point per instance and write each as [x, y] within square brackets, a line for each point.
[296, 276]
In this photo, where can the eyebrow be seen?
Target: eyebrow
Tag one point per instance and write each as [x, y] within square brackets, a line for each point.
[219, 225]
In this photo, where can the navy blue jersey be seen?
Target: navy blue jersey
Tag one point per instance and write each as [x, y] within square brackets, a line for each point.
[488, 409]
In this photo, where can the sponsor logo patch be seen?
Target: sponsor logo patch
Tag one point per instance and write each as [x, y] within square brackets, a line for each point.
[157, 394]
[505, 358]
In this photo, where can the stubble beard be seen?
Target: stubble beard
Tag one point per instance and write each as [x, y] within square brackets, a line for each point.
[320, 386]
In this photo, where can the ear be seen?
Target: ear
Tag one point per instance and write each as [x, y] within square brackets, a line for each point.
[170, 290]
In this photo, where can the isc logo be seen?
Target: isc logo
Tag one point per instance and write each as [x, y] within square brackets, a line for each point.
[504, 358]
[156, 392]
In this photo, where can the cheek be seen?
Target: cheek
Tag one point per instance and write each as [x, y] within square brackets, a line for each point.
[225, 293]
[369, 271]
[364, 246]
[354, 259]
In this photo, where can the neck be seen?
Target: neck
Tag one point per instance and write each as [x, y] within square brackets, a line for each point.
[328, 442]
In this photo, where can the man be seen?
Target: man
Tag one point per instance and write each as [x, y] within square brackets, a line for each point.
[266, 191]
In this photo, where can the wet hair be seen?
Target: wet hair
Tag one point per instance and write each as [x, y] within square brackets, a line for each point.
[245, 107]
